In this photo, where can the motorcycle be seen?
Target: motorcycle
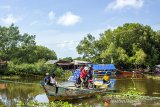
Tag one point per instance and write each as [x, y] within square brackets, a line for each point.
[88, 82]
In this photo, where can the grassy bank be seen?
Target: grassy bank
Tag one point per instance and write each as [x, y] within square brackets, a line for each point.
[152, 77]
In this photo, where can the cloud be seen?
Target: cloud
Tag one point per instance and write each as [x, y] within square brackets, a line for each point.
[68, 19]
[10, 19]
[5, 7]
[119, 4]
[33, 23]
[51, 15]
[69, 44]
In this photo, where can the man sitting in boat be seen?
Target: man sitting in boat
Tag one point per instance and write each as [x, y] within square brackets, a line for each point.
[47, 79]
[83, 75]
[106, 78]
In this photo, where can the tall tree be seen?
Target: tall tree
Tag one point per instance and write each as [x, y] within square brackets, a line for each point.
[86, 47]
[11, 40]
[130, 44]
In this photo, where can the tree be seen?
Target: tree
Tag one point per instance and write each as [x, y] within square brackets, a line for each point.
[11, 40]
[68, 59]
[32, 54]
[87, 48]
[139, 58]
[127, 45]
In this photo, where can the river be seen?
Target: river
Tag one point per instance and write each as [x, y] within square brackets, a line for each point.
[27, 89]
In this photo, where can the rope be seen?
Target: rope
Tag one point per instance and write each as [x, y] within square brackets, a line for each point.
[18, 82]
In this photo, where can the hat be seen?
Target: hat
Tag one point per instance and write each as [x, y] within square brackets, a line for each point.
[86, 68]
[47, 73]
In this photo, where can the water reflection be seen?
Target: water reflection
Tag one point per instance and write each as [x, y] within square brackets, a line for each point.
[42, 98]
[147, 86]
[11, 93]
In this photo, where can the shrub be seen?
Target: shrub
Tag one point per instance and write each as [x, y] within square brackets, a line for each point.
[39, 68]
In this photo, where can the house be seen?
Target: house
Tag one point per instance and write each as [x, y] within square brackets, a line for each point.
[78, 63]
[67, 65]
[61, 63]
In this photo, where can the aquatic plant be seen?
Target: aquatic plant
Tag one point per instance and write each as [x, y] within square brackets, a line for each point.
[50, 104]
[152, 77]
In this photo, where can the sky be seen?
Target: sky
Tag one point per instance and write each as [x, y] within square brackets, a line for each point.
[61, 24]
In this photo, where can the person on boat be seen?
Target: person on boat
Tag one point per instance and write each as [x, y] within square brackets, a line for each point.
[90, 77]
[47, 79]
[83, 75]
[106, 78]
[81, 68]
[53, 80]
[90, 72]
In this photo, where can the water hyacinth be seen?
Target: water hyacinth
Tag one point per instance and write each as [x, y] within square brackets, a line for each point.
[50, 104]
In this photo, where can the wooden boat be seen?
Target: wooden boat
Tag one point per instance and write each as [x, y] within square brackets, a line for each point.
[71, 92]
[134, 74]
[62, 92]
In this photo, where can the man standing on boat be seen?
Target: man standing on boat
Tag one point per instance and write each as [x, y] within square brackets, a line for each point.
[83, 75]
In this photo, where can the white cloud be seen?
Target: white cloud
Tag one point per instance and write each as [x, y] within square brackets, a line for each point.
[68, 19]
[5, 7]
[51, 15]
[119, 4]
[70, 44]
[10, 19]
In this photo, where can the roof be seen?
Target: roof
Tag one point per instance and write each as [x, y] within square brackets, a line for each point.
[77, 62]
[57, 61]
[62, 62]
[104, 67]
[51, 61]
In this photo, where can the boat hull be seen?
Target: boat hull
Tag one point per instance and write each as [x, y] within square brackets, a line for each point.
[66, 93]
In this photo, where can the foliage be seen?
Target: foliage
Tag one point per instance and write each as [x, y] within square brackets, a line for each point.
[22, 53]
[31, 54]
[38, 68]
[131, 93]
[50, 104]
[152, 77]
[11, 39]
[68, 59]
[21, 48]
[86, 47]
[130, 45]
[66, 74]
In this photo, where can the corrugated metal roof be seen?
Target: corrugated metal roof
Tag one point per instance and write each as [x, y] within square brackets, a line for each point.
[77, 62]
[51, 61]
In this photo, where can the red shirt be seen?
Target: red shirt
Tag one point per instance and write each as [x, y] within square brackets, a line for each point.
[83, 73]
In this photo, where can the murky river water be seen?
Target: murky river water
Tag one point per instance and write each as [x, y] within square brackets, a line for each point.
[27, 90]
